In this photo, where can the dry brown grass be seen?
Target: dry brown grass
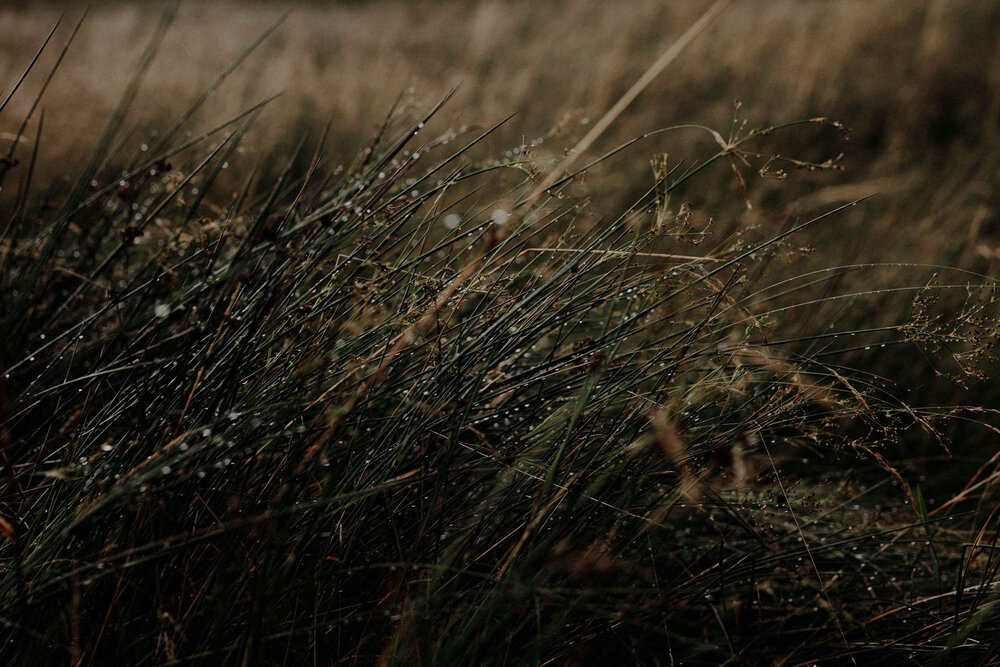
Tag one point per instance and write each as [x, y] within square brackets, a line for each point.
[898, 72]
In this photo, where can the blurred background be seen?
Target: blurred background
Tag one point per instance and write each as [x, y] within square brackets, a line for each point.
[917, 83]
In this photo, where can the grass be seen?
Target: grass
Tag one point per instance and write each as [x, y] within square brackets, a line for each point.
[405, 409]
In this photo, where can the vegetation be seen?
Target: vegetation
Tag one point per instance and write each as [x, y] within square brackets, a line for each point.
[442, 403]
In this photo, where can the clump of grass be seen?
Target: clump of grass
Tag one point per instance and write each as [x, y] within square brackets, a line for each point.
[406, 410]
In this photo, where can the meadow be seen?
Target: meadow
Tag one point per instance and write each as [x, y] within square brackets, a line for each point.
[349, 334]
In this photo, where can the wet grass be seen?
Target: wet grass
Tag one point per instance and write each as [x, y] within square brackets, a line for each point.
[406, 409]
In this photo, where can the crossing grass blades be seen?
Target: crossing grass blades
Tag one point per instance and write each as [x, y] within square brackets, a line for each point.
[398, 411]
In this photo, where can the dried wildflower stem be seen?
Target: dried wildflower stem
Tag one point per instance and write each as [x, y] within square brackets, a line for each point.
[605, 122]
[659, 255]
[529, 529]
[670, 443]
[399, 343]
[82, 277]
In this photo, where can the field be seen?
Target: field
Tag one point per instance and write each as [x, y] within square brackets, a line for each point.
[364, 333]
